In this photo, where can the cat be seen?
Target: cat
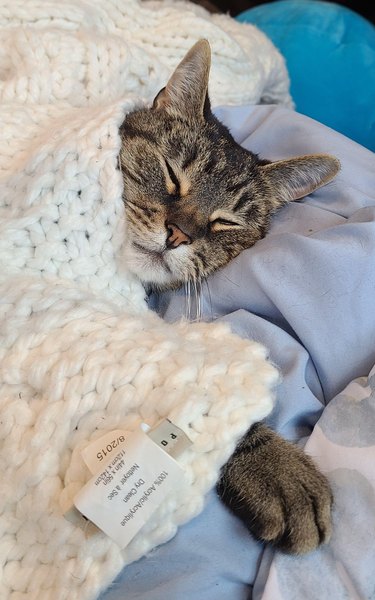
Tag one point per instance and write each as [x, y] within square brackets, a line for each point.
[194, 199]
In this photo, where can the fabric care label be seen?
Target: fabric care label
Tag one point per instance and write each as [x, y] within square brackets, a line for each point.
[137, 475]
[98, 452]
[171, 438]
[165, 434]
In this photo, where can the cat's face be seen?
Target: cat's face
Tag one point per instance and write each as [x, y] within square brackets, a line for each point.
[194, 198]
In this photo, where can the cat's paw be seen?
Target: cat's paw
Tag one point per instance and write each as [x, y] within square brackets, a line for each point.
[278, 492]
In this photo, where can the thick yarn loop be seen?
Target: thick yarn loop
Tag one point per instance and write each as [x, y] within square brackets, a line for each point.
[93, 52]
[80, 353]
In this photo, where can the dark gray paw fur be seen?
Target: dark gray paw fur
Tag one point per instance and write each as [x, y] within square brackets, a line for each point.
[278, 492]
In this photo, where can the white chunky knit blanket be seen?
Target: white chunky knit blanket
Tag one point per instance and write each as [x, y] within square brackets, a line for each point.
[80, 352]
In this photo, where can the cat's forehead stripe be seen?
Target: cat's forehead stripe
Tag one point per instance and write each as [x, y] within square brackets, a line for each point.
[171, 188]
[242, 202]
[190, 158]
[185, 184]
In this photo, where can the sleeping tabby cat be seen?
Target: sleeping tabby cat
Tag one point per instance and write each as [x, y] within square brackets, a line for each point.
[194, 200]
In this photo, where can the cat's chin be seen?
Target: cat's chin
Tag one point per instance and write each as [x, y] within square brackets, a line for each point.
[151, 268]
[157, 284]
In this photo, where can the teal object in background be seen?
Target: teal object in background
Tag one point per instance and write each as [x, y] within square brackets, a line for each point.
[330, 55]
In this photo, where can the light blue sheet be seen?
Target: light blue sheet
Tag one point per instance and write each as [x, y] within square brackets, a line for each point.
[307, 291]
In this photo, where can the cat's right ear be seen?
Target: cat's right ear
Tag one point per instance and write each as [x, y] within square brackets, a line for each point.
[186, 90]
[294, 178]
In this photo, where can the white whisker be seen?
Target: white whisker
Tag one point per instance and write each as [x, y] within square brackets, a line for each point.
[198, 289]
[195, 299]
[188, 300]
[197, 316]
[209, 298]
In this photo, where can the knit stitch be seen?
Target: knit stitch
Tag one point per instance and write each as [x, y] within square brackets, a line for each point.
[80, 352]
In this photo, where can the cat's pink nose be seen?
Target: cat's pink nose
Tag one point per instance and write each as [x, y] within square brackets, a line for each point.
[176, 236]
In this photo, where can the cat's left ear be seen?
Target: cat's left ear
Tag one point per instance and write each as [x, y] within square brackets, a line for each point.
[295, 178]
[186, 90]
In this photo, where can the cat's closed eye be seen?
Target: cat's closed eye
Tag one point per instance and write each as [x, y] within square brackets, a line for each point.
[223, 223]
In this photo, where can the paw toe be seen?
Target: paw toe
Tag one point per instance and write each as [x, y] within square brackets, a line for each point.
[309, 525]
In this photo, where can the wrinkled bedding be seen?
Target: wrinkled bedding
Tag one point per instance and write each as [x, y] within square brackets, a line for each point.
[307, 292]
[80, 354]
